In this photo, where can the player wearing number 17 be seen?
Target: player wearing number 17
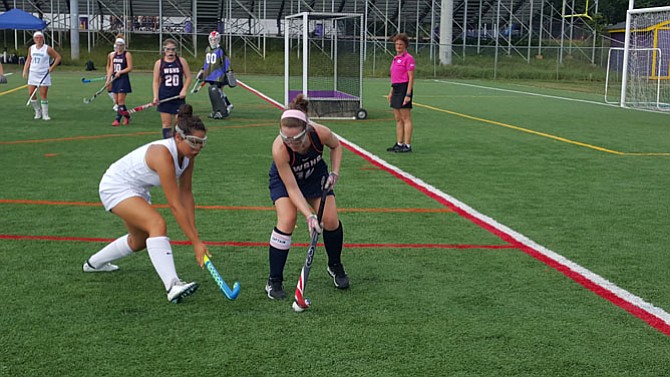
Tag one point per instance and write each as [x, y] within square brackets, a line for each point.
[296, 174]
[172, 77]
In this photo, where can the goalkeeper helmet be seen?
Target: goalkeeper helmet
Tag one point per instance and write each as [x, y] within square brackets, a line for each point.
[214, 39]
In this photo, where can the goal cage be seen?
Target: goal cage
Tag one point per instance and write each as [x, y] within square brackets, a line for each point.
[323, 60]
[644, 61]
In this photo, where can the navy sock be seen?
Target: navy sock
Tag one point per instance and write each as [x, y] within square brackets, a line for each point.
[333, 241]
[167, 133]
[277, 260]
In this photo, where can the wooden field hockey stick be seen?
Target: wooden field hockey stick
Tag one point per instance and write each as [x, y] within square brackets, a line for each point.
[230, 294]
[301, 302]
[146, 106]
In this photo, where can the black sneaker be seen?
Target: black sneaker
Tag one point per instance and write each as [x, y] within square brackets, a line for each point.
[404, 149]
[275, 289]
[340, 278]
[396, 147]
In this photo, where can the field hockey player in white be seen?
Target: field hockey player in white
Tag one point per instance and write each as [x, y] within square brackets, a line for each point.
[38, 72]
[124, 191]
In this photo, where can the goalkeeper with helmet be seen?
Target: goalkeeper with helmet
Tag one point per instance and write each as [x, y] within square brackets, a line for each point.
[217, 73]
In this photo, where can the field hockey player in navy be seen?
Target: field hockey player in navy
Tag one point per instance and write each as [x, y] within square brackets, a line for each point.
[119, 65]
[172, 77]
[296, 174]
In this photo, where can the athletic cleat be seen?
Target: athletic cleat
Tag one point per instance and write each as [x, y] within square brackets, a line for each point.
[404, 149]
[107, 267]
[275, 289]
[218, 115]
[46, 117]
[340, 278]
[116, 123]
[38, 115]
[181, 289]
[126, 121]
[395, 148]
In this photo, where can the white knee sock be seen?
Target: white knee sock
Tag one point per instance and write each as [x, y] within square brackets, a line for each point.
[36, 105]
[45, 108]
[118, 249]
[160, 252]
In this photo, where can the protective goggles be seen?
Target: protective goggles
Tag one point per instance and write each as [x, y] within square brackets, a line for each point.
[293, 139]
[193, 141]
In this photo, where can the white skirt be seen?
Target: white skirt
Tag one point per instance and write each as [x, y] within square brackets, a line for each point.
[112, 193]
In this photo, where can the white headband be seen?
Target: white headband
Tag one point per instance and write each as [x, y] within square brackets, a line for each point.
[120, 41]
[292, 113]
[38, 34]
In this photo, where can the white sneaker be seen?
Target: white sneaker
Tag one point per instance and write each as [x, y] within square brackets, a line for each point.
[38, 115]
[181, 289]
[46, 117]
[108, 267]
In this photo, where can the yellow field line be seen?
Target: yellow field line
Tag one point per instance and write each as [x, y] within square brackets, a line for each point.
[542, 134]
[13, 90]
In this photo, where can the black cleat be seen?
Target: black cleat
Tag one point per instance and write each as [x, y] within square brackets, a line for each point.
[340, 278]
[404, 149]
[395, 148]
[275, 289]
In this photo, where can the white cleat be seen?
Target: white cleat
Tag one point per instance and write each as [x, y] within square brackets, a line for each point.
[38, 115]
[108, 267]
[181, 289]
[46, 117]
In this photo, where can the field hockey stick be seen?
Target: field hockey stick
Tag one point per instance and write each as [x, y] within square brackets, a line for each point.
[225, 289]
[146, 106]
[86, 81]
[36, 88]
[301, 302]
[8, 74]
[102, 89]
[197, 85]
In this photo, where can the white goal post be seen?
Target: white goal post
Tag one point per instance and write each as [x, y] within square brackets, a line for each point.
[323, 60]
[645, 72]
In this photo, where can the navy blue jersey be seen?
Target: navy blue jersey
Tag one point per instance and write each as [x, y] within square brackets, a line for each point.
[172, 78]
[172, 82]
[308, 169]
[121, 83]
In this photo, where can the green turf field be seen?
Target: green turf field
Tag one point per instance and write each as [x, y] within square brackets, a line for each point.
[439, 287]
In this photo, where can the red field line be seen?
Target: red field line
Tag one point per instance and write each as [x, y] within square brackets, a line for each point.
[265, 243]
[224, 208]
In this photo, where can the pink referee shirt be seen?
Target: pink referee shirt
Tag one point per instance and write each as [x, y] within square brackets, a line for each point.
[402, 64]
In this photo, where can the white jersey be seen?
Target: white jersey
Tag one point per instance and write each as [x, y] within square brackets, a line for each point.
[131, 176]
[39, 66]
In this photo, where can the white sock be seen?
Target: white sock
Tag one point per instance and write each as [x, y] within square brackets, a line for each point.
[35, 104]
[160, 253]
[45, 108]
[117, 249]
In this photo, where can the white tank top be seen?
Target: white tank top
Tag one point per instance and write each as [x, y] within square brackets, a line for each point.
[39, 63]
[132, 170]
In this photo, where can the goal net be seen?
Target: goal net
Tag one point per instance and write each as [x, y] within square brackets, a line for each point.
[323, 59]
[645, 67]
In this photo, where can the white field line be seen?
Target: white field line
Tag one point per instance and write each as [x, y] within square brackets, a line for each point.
[654, 316]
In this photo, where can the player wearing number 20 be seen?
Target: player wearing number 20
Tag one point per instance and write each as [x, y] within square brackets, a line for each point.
[172, 77]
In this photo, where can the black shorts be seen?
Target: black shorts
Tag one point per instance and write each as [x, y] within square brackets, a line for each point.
[398, 93]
